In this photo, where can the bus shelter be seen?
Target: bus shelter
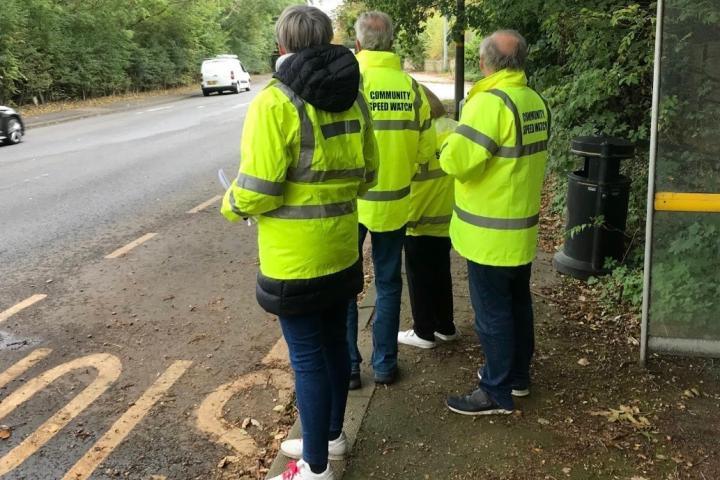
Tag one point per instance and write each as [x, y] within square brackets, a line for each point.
[681, 305]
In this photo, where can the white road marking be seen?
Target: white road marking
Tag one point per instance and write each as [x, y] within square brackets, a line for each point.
[205, 204]
[124, 250]
[200, 106]
[124, 425]
[240, 105]
[157, 109]
[21, 306]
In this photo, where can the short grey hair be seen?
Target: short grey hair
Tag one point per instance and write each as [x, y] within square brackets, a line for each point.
[497, 60]
[303, 26]
[374, 31]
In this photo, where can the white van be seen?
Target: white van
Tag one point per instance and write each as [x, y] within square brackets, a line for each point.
[224, 73]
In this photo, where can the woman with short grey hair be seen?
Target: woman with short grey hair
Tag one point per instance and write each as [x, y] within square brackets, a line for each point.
[308, 151]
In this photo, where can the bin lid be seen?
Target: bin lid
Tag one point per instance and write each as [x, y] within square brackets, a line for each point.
[594, 146]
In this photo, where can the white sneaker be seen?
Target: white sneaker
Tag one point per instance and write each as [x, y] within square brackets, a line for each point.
[336, 448]
[408, 337]
[448, 338]
[301, 471]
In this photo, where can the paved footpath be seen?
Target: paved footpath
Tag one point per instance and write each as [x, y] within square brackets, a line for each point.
[561, 431]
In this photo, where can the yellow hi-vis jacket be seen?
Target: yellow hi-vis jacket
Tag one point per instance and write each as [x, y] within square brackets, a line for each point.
[401, 119]
[432, 191]
[300, 174]
[498, 155]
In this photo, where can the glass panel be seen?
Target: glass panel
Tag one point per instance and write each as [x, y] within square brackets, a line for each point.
[685, 286]
[689, 137]
[685, 274]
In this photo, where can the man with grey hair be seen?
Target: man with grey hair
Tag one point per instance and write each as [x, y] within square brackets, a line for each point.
[498, 155]
[405, 138]
[308, 151]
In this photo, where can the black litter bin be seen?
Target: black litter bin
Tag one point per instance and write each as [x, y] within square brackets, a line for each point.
[594, 192]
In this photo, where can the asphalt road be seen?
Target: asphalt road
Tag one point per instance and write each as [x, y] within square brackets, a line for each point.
[146, 365]
[71, 190]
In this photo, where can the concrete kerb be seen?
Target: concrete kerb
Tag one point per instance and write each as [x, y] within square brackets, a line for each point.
[358, 400]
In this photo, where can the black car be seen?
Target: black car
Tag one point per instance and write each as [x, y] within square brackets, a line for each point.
[12, 127]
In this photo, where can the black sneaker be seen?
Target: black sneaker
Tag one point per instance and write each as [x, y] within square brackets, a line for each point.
[386, 378]
[476, 403]
[516, 392]
[355, 382]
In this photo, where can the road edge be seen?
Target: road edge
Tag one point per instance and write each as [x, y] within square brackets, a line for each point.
[358, 400]
[29, 124]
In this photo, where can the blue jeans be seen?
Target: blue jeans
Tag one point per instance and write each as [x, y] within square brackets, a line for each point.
[387, 259]
[319, 356]
[504, 323]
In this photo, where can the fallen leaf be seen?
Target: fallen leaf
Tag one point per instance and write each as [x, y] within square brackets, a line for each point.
[543, 421]
[583, 362]
[5, 432]
[279, 408]
[227, 461]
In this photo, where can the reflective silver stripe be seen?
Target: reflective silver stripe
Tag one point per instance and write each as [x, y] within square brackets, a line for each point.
[362, 104]
[417, 103]
[382, 196]
[480, 138]
[426, 125]
[317, 176]
[307, 135]
[259, 185]
[304, 172]
[549, 113]
[497, 223]
[395, 125]
[445, 219]
[370, 176]
[516, 113]
[425, 174]
[523, 151]
[309, 212]
[340, 128]
[234, 207]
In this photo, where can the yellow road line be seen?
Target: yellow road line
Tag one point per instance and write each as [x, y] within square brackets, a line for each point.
[278, 354]
[210, 413]
[120, 429]
[687, 202]
[23, 366]
[20, 306]
[205, 204]
[108, 368]
[124, 250]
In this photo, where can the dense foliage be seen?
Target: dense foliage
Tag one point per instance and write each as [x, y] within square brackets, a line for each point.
[593, 61]
[78, 48]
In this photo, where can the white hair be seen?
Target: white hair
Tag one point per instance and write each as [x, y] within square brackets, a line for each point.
[374, 31]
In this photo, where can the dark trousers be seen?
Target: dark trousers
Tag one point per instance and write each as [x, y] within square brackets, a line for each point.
[319, 356]
[504, 322]
[387, 261]
[427, 265]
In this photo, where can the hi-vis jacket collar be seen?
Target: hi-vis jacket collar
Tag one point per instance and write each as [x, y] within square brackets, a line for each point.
[500, 79]
[370, 59]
